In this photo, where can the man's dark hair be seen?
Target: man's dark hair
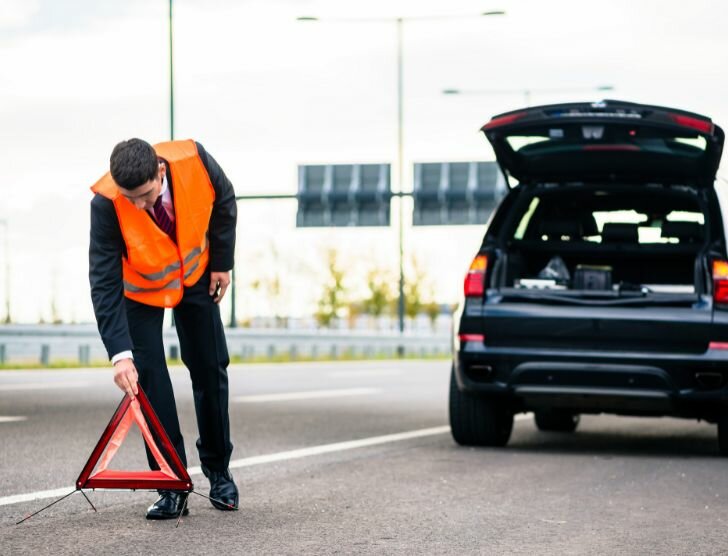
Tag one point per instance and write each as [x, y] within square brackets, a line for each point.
[133, 163]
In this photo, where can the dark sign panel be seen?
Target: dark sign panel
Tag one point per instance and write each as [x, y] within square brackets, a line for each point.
[452, 193]
[343, 195]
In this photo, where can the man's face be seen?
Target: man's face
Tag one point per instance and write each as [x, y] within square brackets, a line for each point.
[144, 196]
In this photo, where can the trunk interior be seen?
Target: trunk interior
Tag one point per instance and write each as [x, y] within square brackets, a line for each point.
[628, 267]
[605, 241]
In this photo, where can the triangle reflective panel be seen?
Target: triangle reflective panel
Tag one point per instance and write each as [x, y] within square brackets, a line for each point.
[171, 474]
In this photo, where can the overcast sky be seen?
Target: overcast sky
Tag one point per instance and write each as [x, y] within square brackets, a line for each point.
[265, 93]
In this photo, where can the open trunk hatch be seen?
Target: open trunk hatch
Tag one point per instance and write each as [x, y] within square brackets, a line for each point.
[608, 141]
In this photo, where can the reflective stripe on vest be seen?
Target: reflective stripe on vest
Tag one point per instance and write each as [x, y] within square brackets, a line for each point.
[162, 273]
[195, 255]
[174, 266]
[173, 285]
[191, 269]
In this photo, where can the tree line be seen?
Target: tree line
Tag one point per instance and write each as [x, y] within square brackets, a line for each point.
[382, 295]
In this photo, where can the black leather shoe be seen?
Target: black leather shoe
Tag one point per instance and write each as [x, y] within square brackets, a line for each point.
[223, 491]
[169, 506]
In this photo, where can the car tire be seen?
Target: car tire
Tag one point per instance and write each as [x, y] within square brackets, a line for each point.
[723, 433]
[556, 421]
[478, 421]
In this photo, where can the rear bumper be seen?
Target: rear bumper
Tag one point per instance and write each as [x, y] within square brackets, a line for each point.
[597, 382]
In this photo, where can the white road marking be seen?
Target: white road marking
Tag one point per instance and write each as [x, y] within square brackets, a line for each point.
[365, 373]
[258, 460]
[12, 418]
[307, 395]
[269, 458]
[32, 496]
[329, 448]
[42, 385]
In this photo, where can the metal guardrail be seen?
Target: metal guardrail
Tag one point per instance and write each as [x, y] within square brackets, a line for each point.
[45, 344]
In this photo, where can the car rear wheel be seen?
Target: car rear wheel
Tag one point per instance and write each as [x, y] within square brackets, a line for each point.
[476, 421]
[556, 421]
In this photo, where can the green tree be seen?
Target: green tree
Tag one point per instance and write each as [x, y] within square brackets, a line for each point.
[380, 294]
[333, 294]
[354, 309]
[433, 311]
[413, 286]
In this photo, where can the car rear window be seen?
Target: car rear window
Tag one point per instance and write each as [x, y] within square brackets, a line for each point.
[563, 138]
[604, 216]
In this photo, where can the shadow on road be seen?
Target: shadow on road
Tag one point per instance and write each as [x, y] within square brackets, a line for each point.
[682, 443]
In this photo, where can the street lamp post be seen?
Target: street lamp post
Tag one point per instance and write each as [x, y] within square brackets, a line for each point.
[233, 318]
[5, 225]
[399, 22]
[233, 315]
[400, 182]
[171, 99]
[171, 77]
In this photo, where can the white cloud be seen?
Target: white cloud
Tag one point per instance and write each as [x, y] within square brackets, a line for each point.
[15, 13]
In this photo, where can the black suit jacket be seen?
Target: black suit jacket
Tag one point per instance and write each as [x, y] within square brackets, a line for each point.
[107, 247]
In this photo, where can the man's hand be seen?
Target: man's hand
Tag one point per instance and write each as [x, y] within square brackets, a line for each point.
[219, 282]
[126, 377]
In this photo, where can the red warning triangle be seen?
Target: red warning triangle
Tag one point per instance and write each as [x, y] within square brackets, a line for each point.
[171, 475]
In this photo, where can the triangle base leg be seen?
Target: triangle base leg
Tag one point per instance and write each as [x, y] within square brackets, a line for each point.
[215, 500]
[184, 507]
[89, 501]
[27, 517]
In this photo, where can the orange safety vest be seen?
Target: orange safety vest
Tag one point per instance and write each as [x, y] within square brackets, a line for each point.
[155, 269]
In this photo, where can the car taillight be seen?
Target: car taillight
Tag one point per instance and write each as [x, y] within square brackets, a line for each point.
[503, 120]
[477, 338]
[720, 281]
[475, 278]
[704, 126]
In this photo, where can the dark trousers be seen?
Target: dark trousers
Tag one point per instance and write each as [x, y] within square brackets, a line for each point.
[204, 353]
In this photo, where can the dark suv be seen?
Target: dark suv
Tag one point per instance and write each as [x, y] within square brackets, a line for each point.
[601, 285]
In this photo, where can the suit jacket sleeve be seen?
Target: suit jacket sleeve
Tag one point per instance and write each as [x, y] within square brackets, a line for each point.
[224, 215]
[105, 275]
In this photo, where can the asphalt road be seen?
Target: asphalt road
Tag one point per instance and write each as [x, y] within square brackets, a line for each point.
[356, 458]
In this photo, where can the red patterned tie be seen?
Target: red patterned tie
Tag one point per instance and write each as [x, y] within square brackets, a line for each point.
[162, 218]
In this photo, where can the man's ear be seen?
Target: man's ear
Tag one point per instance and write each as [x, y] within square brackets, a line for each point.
[162, 169]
